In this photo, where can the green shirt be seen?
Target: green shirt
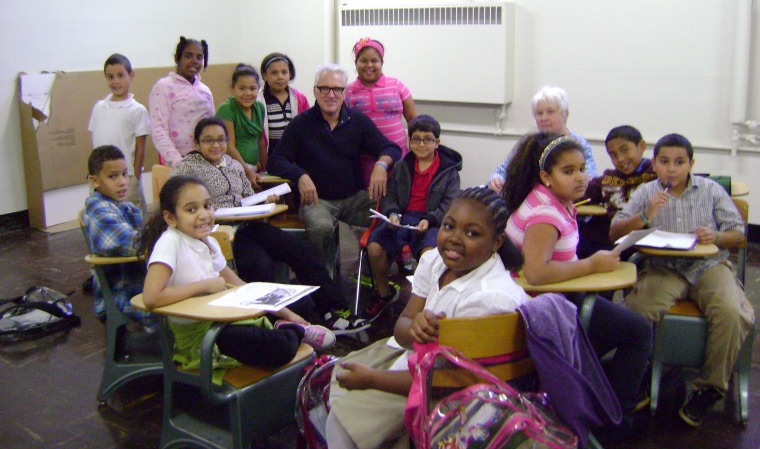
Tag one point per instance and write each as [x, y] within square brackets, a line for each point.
[247, 130]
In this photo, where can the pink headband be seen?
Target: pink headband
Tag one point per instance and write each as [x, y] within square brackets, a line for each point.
[368, 42]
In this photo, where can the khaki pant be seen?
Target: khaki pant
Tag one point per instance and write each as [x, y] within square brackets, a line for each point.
[136, 196]
[720, 298]
[320, 221]
[371, 419]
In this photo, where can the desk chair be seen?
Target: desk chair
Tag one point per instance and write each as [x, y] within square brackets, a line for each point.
[487, 337]
[363, 242]
[159, 175]
[250, 405]
[680, 337]
[129, 355]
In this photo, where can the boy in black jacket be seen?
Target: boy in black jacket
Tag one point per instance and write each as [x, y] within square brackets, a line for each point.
[422, 187]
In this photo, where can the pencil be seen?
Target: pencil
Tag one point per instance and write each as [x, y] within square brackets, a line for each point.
[582, 202]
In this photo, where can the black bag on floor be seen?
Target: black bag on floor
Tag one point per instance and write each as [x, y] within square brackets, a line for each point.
[39, 312]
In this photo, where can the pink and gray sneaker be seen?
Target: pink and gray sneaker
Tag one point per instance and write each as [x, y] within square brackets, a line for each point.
[316, 336]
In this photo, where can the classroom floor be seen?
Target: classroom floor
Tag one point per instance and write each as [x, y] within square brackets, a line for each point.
[49, 386]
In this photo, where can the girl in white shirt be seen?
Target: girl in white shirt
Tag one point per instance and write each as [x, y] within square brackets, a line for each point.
[466, 276]
[185, 262]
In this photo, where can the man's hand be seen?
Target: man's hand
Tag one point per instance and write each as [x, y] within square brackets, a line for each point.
[377, 182]
[308, 190]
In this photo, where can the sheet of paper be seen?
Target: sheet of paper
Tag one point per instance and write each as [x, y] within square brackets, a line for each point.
[279, 189]
[631, 239]
[258, 209]
[264, 296]
[667, 240]
[376, 214]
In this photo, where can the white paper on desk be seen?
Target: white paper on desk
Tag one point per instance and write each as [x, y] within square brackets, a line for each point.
[264, 296]
[280, 190]
[629, 240]
[376, 214]
[258, 209]
[668, 240]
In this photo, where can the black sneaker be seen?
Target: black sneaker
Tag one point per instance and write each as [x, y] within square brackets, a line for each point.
[378, 303]
[698, 404]
[341, 322]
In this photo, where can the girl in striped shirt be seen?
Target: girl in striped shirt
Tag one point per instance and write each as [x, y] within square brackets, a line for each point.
[546, 175]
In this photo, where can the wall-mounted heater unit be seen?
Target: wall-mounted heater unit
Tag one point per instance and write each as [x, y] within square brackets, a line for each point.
[449, 51]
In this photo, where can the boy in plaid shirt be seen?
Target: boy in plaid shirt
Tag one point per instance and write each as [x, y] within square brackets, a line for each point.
[113, 227]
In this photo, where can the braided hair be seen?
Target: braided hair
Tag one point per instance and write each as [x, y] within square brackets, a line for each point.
[183, 41]
[510, 255]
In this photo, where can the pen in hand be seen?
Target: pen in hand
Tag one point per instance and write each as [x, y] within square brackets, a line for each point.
[667, 187]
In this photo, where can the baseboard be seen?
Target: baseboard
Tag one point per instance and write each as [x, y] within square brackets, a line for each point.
[753, 233]
[14, 221]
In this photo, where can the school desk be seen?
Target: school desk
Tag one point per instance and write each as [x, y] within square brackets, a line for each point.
[623, 276]
[198, 308]
[591, 209]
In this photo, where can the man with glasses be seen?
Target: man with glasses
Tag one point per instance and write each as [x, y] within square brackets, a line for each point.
[319, 152]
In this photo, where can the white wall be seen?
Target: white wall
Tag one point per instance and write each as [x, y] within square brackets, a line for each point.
[79, 35]
[661, 66]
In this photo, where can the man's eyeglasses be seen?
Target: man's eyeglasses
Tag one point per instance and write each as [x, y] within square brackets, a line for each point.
[327, 89]
[209, 142]
[426, 140]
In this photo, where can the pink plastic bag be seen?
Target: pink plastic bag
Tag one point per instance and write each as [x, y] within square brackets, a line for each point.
[487, 415]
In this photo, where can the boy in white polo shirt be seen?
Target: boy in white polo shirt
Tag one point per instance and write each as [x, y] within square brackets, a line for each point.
[121, 121]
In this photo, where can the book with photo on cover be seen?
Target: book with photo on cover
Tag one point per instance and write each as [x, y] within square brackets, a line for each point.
[264, 296]
[665, 240]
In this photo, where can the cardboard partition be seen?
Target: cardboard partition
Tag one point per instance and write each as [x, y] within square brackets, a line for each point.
[55, 111]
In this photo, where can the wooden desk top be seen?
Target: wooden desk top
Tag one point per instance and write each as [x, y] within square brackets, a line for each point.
[272, 179]
[699, 250]
[591, 209]
[278, 209]
[739, 188]
[198, 309]
[623, 276]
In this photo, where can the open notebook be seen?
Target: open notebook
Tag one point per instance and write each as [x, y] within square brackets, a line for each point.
[663, 239]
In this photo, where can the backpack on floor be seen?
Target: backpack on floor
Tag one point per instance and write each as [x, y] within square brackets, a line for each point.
[312, 403]
[39, 312]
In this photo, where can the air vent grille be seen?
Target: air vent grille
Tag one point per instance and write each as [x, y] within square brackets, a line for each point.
[466, 15]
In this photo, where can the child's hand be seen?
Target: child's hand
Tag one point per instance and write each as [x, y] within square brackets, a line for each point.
[394, 220]
[655, 204]
[422, 226]
[215, 285]
[253, 176]
[705, 235]
[354, 376]
[424, 328]
[273, 198]
[495, 184]
[604, 261]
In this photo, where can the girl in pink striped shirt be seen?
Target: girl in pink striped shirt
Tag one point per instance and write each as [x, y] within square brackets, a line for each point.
[382, 98]
[546, 175]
